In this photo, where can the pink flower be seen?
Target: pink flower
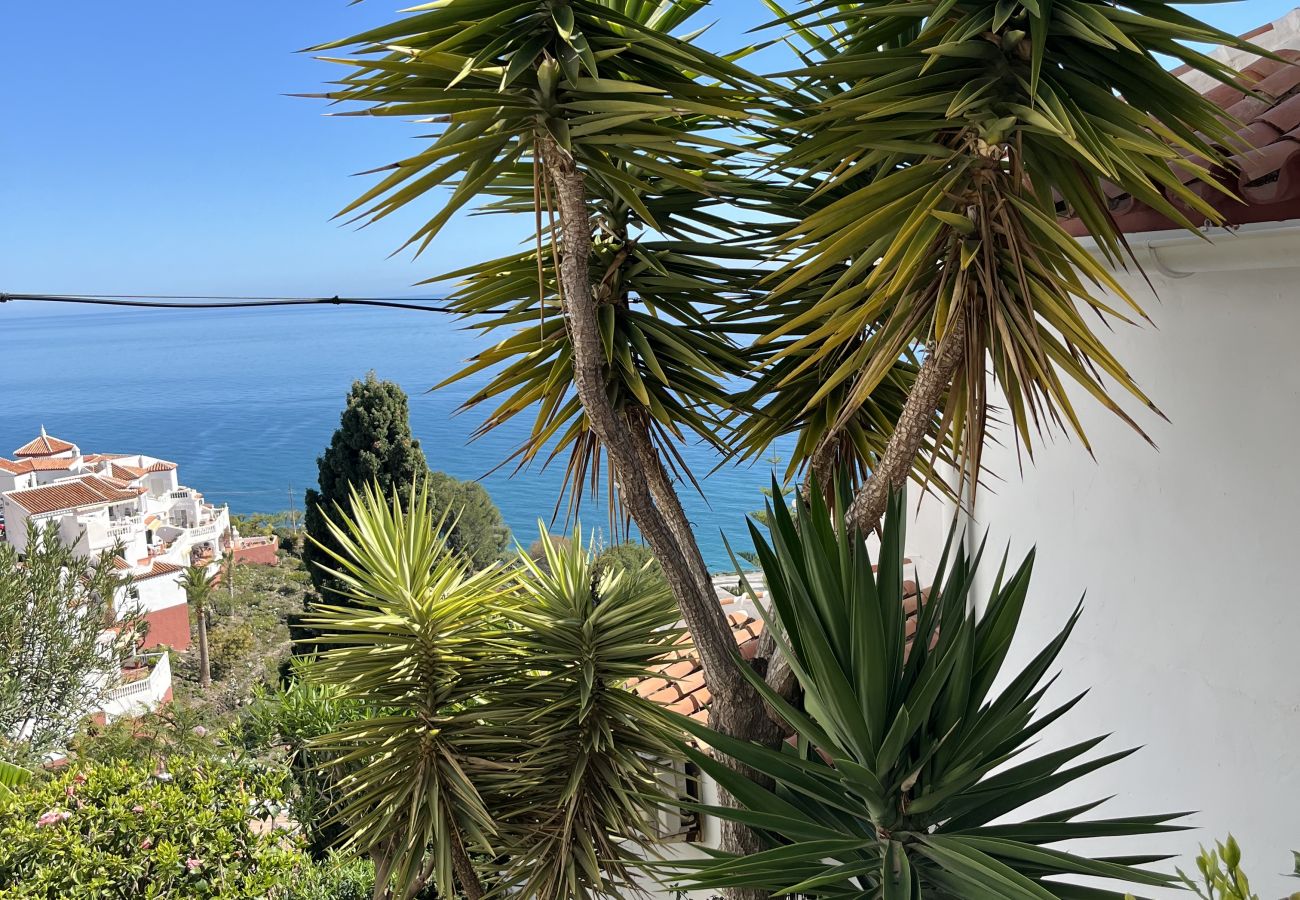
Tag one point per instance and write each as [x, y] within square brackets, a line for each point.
[200, 731]
[79, 778]
[193, 863]
[69, 790]
[137, 808]
[52, 817]
[146, 843]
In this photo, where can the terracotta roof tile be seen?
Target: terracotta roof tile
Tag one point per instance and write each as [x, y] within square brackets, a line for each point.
[44, 446]
[88, 490]
[160, 568]
[1264, 160]
[161, 465]
[49, 463]
[678, 682]
[15, 468]
[127, 473]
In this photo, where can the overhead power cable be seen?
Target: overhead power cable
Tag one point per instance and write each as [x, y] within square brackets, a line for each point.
[195, 301]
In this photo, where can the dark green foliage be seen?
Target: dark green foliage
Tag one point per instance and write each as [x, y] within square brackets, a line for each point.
[372, 444]
[336, 878]
[111, 831]
[629, 556]
[291, 718]
[474, 526]
[908, 756]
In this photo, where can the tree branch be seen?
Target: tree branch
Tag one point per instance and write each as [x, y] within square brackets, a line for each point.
[895, 465]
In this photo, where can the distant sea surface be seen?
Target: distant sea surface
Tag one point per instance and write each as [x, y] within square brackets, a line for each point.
[245, 400]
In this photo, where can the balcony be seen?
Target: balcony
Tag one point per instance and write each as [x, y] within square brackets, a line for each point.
[124, 527]
[142, 694]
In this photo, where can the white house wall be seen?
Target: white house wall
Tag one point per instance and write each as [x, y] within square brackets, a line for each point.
[1190, 638]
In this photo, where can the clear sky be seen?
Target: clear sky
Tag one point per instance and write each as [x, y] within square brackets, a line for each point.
[149, 147]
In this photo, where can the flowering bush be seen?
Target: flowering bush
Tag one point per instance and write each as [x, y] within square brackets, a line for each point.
[114, 830]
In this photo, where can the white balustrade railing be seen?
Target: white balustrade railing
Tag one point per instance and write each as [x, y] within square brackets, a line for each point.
[147, 691]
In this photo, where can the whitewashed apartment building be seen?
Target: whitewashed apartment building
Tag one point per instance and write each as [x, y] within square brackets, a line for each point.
[133, 503]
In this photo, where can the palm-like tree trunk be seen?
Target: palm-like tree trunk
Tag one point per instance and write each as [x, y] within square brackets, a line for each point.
[205, 665]
[895, 465]
[645, 490]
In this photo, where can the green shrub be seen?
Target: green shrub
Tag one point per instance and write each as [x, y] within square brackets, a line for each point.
[292, 718]
[173, 730]
[337, 878]
[629, 556]
[231, 645]
[107, 831]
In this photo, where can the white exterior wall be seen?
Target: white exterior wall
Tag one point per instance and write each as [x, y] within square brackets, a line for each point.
[1190, 638]
[158, 593]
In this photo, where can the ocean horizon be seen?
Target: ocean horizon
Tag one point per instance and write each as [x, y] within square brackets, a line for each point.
[245, 400]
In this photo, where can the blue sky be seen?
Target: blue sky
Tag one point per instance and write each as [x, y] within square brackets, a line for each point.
[149, 147]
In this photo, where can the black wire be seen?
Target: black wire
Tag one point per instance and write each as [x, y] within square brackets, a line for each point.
[166, 301]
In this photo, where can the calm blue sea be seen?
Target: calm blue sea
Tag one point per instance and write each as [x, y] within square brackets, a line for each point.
[245, 400]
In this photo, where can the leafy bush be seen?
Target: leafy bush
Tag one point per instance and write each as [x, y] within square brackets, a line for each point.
[629, 556]
[175, 729]
[337, 878]
[293, 718]
[911, 766]
[231, 645]
[114, 830]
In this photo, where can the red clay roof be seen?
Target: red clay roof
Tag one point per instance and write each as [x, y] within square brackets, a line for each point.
[49, 463]
[678, 682]
[161, 466]
[1264, 163]
[88, 490]
[126, 473]
[160, 568]
[16, 468]
[101, 457]
[44, 446]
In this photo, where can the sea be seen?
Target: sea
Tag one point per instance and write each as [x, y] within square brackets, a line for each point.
[244, 401]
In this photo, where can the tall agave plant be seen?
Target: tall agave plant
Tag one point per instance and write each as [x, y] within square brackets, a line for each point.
[909, 767]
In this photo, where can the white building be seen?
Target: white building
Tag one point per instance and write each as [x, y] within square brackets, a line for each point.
[132, 504]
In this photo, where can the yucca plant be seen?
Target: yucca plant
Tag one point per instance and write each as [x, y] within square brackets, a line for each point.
[909, 766]
[595, 751]
[949, 137]
[495, 724]
[12, 777]
[843, 252]
[410, 646]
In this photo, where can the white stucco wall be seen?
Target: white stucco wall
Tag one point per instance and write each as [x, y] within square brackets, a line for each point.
[1190, 641]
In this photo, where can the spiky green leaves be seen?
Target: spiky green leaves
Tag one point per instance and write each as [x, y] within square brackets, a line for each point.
[947, 138]
[595, 750]
[644, 114]
[907, 756]
[497, 716]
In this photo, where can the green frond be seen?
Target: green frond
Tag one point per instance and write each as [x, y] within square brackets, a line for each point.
[944, 141]
[910, 766]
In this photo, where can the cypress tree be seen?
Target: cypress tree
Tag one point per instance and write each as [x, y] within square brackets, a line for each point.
[373, 443]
